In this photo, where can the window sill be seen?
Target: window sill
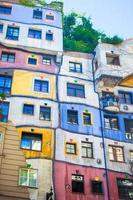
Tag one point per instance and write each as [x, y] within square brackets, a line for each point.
[47, 120]
[7, 61]
[112, 129]
[28, 187]
[88, 158]
[98, 194]
[35, 38]
[39, 151]
[76, 96]
[28, 114]
[11, 39]
[118, 161]
[87, 124]
[70, 123]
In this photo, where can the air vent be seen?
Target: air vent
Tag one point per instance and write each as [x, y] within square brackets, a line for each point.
[125, 107]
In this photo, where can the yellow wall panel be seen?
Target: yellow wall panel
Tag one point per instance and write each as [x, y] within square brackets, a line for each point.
[47, 142]
[127, 81]
[23, 84]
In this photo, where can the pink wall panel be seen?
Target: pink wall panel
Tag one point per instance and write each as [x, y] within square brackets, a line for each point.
[21, 58]
[62, 178]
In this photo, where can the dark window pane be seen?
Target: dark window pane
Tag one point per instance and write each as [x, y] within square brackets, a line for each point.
[37, 14]
[125, 188]
[49, 36]
[72, 116]
[8, 57]
[4, 107]
[70, 148]
[97, 187]
[5, 84]
[31, 141]
[35, 34]
[75, 67]
[12, 33]
[41, 86]
[32, 61]
[45, 113]
[125, 98]
[5, 10]
[111, 122]
[75, 90]
[1, 28]
[28, 109]
[77, 183]
[46, 61]
[87, 151]
[86, 118]
[112, 59]
[50, 17]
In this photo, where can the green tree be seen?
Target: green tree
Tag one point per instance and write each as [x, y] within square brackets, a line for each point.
[79, 34]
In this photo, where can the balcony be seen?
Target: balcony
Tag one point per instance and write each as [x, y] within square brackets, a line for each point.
[110, 102]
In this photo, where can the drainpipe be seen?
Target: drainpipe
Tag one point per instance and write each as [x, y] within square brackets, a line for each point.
[102, 128]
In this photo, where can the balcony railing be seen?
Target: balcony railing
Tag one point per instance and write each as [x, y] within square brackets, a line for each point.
[110, 102]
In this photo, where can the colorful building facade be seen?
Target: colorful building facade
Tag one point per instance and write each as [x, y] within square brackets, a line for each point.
[73, 111]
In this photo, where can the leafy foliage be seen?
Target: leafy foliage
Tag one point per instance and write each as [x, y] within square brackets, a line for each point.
[79, 34]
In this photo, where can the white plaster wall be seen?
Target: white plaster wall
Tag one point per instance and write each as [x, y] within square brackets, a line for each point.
[64, 136]
[24, 40]
[91, 98]
[126, 60]
[44, 180]
[86, 66]
[119, 166]
[18, 118]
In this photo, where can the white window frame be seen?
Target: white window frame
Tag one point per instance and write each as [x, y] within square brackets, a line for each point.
[28, 179]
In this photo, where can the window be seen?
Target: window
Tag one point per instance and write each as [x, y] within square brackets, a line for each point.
[12, 33]
[5, 84]
[75, 90]
[50, 17]
[49, 36]
[37, 14]
[125, 98]
[28, 177]
[31, 141]
[41, 86]
[8, 57]
[77, 183]
[131, 154]
[75, 67]
[70, 148]
[125, 188]
[112, 59]
[129, 128]
[35, 34]
[28, 109]
[1, 28]
[116, 153]
[5, 10]
[72, 116]
[32, 61]
[4, 107]
[87, 118]
[45, 113]
[111, 122]
[87, 151]
[46, 61]
[97, 187]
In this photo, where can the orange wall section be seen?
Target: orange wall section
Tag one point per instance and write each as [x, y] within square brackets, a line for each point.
[23, 84]
[47, 143]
